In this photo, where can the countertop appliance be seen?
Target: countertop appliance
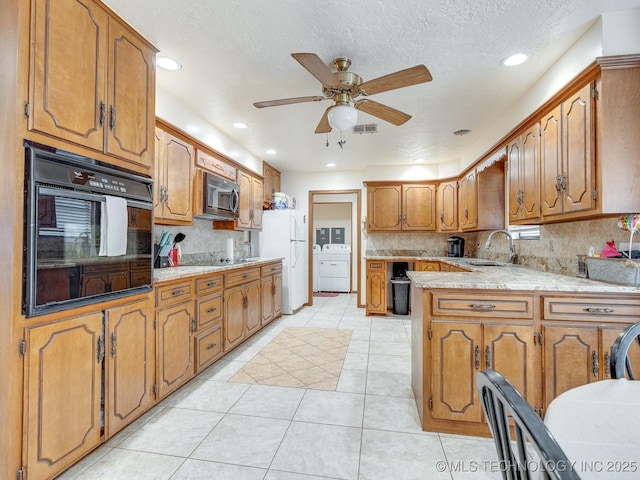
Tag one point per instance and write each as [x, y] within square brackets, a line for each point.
[221, 198]
[456, 246]
[88, 231]
[284, 235]
[334, 269]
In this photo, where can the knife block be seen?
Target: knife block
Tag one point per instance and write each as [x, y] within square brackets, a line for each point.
[159, 261]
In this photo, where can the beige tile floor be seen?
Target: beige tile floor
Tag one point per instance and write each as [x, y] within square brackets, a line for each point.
[365, 429]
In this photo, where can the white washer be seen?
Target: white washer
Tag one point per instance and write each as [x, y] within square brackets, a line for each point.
[316, 265]
[334, 269]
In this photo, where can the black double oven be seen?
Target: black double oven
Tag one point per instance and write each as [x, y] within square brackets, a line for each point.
[88, 231]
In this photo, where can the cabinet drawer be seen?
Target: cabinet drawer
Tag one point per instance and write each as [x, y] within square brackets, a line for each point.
[208, 346]
[376, 265]
[206, 285]
[174, 293]
[239, 277]
[270, 269]
[479, 305]
[209, 309]
[591, 309]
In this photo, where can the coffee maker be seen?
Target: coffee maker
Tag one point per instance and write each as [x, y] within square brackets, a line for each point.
[456, 246]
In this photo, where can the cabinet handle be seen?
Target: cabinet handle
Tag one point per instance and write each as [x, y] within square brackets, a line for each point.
[194, 325]
[112, 117]
[607, 365]
[442, 217]
[103, 113]
[114, 344]
[100, 349]
[482, 306]
[595, 364]
[487, 357]
[211, 310]
[211, 284]
[598, 310]
[177, 292]
[213, 345]
[245, 302]
[246, 275]
[477, 357]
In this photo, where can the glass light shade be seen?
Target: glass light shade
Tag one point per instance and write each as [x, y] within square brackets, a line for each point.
[342, 117]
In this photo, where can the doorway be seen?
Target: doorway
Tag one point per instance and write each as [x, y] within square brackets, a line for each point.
[339, 210]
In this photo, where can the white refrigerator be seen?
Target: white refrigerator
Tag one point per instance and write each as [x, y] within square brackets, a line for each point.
[284, 235]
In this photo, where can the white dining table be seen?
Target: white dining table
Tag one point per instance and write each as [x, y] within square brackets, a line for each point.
[597, 425]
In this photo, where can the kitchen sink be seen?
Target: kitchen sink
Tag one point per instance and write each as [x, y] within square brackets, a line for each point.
[485, 263]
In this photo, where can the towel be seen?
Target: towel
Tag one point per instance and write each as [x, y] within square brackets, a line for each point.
[113, 227]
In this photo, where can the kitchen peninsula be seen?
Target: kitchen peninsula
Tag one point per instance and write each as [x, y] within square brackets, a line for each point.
[546, 332]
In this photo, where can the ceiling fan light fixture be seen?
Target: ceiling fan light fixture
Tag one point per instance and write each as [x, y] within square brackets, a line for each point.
[342, 117]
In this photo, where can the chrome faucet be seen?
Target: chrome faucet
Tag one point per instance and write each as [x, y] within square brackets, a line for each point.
[512, 247]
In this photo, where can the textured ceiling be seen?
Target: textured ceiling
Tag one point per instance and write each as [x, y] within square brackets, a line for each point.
[236, 52]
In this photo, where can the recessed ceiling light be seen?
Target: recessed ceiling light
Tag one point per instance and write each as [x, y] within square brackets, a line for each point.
[168, 63]
[461, 132]
[513, 60]
[419, 160]
[240, 125]
[271, 151]
[331, 164]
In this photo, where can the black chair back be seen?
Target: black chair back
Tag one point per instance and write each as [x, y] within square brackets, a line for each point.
[502, 402]
[619, 360]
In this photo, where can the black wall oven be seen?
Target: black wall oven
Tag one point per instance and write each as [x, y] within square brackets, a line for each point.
[88, 231]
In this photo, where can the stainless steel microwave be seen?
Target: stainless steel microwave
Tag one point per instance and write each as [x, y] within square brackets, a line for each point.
[221, 197]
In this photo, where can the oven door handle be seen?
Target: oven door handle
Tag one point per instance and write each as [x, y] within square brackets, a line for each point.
[55, 192]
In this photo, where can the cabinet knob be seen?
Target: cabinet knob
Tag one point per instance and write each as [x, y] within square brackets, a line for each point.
[211, 346]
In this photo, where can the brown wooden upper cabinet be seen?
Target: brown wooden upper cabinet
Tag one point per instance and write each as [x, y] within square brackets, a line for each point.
[400, 207]
[447, 201]
[468, 201]
[94, 84]
[271, 181]
[567, 160]
[173, 176]
[251, 196]
[523, 156]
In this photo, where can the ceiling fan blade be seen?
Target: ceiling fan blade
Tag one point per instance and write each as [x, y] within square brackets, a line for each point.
[383, 112]
[317, 68]
[323, 126]
[403, 78]
[288, 101]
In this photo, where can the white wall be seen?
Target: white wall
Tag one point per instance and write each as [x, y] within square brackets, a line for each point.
[621, 32]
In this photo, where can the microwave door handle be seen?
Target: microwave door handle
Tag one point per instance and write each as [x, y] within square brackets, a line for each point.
[235, 201]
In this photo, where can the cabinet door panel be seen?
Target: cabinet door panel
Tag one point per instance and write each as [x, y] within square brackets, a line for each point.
[529, 173]
[419, 207]
[131, 115]
[448, 206]
[277, 295]
[609, 336]
[568, 358]
[551, 163]
[509, 350]
[243, 220]
[233, 317]
[377, 290]
[456, 358]
[178, 158]
[267, 300]
[70, 40]
[130, 362]
[515, 188]
[63, 376]
[253, 308]
[384, 208]
[175, 347]
[577, 152]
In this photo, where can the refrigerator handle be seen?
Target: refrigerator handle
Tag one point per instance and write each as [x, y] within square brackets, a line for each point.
[294, 261]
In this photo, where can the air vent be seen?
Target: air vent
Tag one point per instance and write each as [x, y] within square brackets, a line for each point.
[368, 128]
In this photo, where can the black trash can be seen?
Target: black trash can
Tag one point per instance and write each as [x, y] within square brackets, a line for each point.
[400, 285]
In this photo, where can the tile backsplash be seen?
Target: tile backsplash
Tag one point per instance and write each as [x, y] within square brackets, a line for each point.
[556, 251]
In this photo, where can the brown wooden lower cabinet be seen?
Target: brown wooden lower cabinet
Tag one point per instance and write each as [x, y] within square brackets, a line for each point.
[544, 344]
[271, 292]
[63, 378]
[130, 362]
[242, 313]
[376, 290]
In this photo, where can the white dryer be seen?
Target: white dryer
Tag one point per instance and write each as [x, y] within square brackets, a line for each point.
[334, 268]
[316, 265]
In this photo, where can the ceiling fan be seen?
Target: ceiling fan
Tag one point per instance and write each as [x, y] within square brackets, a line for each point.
[343, 87]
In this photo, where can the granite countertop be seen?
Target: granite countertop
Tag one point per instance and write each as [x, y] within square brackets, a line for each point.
[176, 273]
[507, 277]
